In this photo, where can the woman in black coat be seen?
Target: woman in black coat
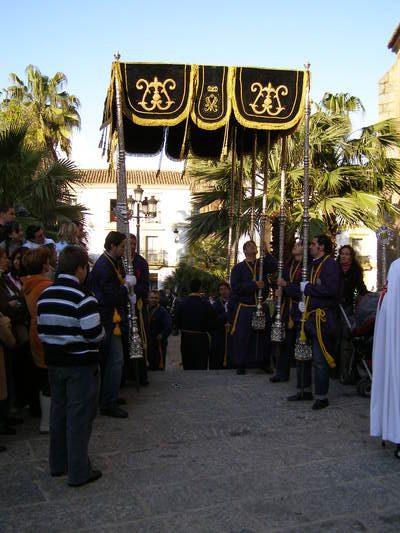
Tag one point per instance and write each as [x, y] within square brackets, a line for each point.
[353, 288]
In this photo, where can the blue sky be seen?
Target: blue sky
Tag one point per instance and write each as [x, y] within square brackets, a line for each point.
[345, 41]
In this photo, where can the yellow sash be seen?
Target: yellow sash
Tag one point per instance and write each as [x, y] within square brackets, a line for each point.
[320, 316]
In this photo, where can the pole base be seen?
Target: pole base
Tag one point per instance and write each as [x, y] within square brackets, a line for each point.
[258, 321]
[302, 351]
[277, 331]
[135, 347]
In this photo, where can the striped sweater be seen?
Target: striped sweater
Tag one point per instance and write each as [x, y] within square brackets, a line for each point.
[69, 323]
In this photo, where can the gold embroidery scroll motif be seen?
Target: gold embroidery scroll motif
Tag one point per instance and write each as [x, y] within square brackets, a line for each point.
[267, 101]
[213, 96]
[156, 94]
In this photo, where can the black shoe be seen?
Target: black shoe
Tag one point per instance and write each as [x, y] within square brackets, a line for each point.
[121, 401]
[277, 379]
[115, 412]
[144, 383]
[94, 476]
[3, 449]
[300, 396]
[241, 371]
[7, 430]
[14, 421]
[320, 404]
[59, 474]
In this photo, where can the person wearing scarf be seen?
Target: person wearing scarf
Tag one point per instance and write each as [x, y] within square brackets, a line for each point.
[353, 288]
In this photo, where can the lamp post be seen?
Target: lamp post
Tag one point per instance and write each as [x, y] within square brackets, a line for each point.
[148, 207]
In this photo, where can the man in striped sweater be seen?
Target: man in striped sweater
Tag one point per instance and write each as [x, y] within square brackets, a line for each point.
[70, 329]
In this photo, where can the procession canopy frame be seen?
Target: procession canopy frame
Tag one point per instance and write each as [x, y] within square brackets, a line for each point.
[180, 108]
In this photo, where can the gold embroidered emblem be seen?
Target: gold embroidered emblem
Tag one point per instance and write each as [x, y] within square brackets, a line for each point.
[268, 100]
[156, 94]
[211, 100]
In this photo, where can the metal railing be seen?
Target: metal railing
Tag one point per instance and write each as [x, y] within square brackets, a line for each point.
[156, 258]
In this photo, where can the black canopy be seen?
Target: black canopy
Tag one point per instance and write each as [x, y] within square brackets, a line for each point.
[196, 107]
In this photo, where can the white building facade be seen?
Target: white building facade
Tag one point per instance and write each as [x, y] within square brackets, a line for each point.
[161, 238]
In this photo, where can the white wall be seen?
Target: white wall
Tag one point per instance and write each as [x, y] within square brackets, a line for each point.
[368, 247]
[173, 210]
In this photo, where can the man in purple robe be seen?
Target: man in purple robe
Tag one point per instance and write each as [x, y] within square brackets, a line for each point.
[250, 348]
[323, 294]
[220, 338]
[160, 327]
[196, 319]
[289, 288]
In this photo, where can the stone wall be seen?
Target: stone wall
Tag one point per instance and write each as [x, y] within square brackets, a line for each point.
[389, 84]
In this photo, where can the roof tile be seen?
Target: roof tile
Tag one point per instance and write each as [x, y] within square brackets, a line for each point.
[134, 177]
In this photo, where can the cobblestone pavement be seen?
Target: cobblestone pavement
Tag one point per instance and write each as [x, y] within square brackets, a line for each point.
[212, 452]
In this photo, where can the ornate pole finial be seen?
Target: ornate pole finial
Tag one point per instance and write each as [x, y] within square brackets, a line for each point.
[307, 65]
[117, 56]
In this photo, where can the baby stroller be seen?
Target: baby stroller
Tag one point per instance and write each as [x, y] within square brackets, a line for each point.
[359, 369]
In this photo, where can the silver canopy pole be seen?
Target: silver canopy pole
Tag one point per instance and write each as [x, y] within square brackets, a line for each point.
[231, 206]
[278, 329]
[303, 351]
[122, 214]
[258, 319]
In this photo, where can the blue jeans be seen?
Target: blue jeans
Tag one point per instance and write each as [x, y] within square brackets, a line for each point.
[74, 395]
[321, 371]
[112, 373]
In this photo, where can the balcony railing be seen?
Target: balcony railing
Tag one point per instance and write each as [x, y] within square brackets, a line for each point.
[156, 258]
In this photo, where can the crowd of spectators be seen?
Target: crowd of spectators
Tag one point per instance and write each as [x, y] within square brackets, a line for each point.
[28, 264]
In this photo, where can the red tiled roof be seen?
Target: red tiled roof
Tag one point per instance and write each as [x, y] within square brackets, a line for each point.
[134, 177]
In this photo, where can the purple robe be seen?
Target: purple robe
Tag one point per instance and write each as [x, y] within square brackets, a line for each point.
[291, 293]
[325, 293]
[220, 338]
[248, 347]
[160, 323]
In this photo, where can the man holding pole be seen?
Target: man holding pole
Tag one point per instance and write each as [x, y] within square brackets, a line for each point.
[289, 286]
[250, 347]
[320, 317]
[111, 287]
[141, 272]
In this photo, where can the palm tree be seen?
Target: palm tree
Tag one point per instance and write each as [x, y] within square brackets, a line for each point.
[352, 179]
[341, 103]
[51, 113]
[41, 189]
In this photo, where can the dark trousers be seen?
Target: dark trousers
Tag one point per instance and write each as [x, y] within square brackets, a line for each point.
[321, 371]
[304, 375]
[219, 347]
[112, 373]
[157, 353]
[195, 350]
[74, 395]
[303, 368]
[285, 352]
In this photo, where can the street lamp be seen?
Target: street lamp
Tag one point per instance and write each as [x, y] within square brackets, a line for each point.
[146, 206]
